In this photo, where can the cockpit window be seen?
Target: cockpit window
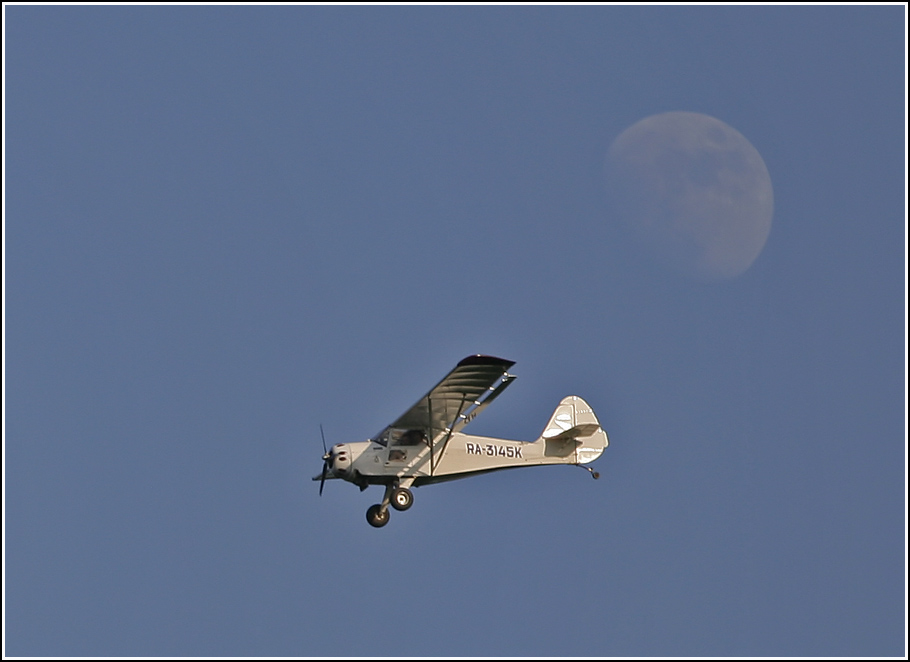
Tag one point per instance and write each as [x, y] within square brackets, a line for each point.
[407, 437]
[399, 437]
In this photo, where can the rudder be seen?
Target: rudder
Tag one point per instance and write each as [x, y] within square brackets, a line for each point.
[574, 423]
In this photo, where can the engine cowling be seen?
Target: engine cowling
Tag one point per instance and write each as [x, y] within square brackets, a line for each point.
[340, 461]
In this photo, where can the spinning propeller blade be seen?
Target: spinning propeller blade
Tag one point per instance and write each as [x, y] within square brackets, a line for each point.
[325, 460]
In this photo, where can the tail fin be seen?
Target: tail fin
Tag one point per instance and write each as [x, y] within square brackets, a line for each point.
[574, 430]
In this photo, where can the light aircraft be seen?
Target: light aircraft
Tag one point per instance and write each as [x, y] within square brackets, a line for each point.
[425, 445]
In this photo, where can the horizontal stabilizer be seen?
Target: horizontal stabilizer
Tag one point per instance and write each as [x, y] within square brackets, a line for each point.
[583, 430]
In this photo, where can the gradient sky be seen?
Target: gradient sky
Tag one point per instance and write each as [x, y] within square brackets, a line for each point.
[225, 226]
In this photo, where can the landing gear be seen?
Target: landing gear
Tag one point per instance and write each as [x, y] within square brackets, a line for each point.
[595, 475]
[402, 499]
[377, 515]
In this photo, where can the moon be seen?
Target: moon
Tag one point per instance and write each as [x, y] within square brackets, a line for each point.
[693, 192]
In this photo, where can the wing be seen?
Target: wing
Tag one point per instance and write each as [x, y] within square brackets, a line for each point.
[461, 395]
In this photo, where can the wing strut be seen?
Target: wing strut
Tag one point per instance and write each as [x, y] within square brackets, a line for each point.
[449, 430]
[481, 403]
[431, 438]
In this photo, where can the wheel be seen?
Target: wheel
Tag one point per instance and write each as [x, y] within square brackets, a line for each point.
[402, 499]
[376, 516]
[596, 475]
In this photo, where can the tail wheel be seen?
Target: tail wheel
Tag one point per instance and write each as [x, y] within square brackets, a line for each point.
[377, 515]
[402, 499]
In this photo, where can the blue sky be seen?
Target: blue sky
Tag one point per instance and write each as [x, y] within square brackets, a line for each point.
[225, 226]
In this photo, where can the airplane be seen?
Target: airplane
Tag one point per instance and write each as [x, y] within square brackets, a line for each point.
[425, 445]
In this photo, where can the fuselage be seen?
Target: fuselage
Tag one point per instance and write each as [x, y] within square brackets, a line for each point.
[371, 462]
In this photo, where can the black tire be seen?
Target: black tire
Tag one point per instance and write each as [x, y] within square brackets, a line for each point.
[402, 499]
[377, 516]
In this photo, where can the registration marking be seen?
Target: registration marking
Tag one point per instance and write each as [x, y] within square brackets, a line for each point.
[493, 450]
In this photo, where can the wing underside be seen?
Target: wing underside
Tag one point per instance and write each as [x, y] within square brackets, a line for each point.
[456, 400]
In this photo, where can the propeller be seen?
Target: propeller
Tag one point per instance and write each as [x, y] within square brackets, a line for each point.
[325, 460]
